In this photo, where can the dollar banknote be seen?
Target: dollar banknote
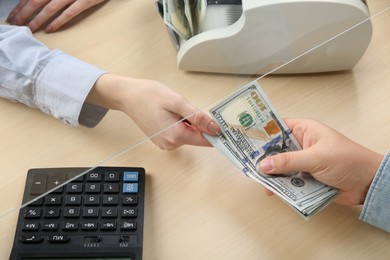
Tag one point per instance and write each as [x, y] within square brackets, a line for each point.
[251, 131]
[198, 13]
[184, 17]
[175, 17]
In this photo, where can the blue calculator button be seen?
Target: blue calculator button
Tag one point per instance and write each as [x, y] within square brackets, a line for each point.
[130, 176]
[130, 187]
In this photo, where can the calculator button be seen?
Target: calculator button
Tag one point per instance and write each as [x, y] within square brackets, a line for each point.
[53, 200]
[109, 212]
[129, 176]
[30, 239]
[89, 225]
[109, 225]
[74, 188]
[71, 212]
[112, 176]
[32, 213]
[110, 200]
[111, 188]
[130, 200]
[54, 181]
[128, 225]
[50, 226]
[51, 213]
[94, 176]
[92, 188]
[90, 212]
[73, 200]
[38, 185]
[30, 226]
[130, 187]
[58, 239]
[91, 200]
[129, 213]
[70, 226]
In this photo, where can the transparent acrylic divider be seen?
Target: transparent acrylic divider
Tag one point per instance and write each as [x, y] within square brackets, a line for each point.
[200, 176]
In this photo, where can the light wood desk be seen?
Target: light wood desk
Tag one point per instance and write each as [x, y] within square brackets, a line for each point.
[198, 206]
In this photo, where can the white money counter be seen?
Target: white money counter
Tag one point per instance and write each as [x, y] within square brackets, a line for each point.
[262, 36]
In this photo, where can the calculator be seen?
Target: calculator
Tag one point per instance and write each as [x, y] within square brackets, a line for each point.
[97, 215]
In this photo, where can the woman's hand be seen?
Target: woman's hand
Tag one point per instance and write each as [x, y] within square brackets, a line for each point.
[35, 13]
[156, 109]
[330, 157]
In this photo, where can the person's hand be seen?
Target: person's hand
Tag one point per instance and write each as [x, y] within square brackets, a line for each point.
[35, 13]
[156, 109]
[329, 157]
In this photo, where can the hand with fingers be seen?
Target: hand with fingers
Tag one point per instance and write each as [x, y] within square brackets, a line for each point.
[330, 157]
[159, 112]
[36, 13]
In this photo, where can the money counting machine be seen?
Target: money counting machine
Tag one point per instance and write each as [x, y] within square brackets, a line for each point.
[258, 36]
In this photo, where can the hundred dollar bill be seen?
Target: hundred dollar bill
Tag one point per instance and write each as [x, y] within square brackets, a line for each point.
[189, 14]
[251, 131]
[175, 17]
[198, 13]
[184, 17]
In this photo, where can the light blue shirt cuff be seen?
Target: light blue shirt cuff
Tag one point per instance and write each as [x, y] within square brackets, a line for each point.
[53, 81]
[63, 86]
[376, 210]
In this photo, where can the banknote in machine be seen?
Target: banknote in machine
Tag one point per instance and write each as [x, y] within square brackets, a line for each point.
[198, 10]
[252, 130]
[175, 17]
[195, 11]
[189, 15]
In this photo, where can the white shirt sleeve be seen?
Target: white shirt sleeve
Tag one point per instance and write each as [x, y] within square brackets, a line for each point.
[50, 80]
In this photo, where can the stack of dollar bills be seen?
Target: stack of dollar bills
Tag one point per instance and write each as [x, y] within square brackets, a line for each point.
[184, 17]
[251, 131]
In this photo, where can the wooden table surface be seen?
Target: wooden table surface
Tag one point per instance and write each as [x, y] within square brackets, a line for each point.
[198, 206]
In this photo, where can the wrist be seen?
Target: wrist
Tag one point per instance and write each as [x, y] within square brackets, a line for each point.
[110, 91]
[373, 165]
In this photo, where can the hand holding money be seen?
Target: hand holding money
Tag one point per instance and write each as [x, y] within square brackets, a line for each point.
[329, 157]
[251, 131]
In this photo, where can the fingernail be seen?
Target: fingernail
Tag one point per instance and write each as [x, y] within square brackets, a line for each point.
[267, 165]
[214, 128]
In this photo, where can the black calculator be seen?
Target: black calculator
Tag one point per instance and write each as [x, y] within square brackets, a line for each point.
[97, 215]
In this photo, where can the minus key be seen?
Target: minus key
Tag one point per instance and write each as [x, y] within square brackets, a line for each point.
[38, 184]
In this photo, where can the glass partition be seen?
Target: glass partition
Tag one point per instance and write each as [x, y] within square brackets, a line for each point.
[297, 73]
